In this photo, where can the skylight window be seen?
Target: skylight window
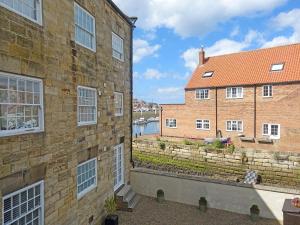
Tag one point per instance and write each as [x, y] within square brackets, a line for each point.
[208, 74]
[277, 67]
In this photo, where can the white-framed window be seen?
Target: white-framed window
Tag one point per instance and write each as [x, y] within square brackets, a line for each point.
[271, 130]
[117, 47]
[30, 9]
[171, 123]
[86, 105]
[267, 91]
[85, 30]
[202, 94]
[234, 92]
[21, 105]
[208, 74]
[86, 177]
[202, 124]
[25, 206]
[277, 67]
[118, 98]
[234, 125]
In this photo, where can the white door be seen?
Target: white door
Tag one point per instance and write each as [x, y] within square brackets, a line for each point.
[118, 166]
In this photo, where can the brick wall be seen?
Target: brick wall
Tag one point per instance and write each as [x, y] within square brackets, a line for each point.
[279, 109]
[49, 52]
[280, 169]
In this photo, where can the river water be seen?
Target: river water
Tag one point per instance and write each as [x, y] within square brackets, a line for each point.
[149, 128]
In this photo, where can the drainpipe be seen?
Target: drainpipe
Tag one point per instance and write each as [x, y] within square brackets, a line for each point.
[216, 111]
[161, 110]
[133, 20]
[254, 117]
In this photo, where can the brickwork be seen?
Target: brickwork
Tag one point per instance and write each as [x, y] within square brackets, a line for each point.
[280, 169]
[279, 109]
[49, 52]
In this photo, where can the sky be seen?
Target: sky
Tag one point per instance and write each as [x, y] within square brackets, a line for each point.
[169, 34]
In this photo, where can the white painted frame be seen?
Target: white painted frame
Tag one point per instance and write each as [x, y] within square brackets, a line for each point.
[122, 96]
[113, 49]
[269, 96]
[118, 185]
[236, 121]
[273, 137]
[202, 122]
[94, 35]
[41, 113]
[230, 96]
[96, 105]
[90, 188]
[39, 20]
[168, 124]
[199, 90]
[42, 196]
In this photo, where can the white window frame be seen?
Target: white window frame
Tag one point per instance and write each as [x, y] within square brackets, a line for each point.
[275, 137]
[277, 67]
[199, 92]
[5, 133]
[231, 125]
[42, 202]
[208, 74]
[39, 11]
[78, 106]
[117, 148]
[122, 97]
[270, 93]
[94, 27]
[230, 90]
[90, 188]
[202, 122]
[114, 35]
[168, 122]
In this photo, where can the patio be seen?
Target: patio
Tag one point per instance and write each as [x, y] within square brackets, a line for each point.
[150, 212]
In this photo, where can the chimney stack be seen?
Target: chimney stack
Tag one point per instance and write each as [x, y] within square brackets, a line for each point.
[201, 56]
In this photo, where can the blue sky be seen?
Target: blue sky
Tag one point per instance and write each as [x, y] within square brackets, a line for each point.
[169, 34]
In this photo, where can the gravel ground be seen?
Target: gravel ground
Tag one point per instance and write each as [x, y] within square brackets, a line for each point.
[150, 212]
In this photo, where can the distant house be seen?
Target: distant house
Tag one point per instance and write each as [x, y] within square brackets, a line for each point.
[252, 97]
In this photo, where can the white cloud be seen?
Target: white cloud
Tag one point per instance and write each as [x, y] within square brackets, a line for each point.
[285, 20]
[221, 47]
[153, 74]
[189, 17]
[235, 31]
[142, 49]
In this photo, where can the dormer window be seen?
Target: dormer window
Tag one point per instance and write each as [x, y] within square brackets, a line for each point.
[208, 74]
[277, 67]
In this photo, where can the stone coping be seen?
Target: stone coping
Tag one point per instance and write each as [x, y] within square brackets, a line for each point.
[216, 181]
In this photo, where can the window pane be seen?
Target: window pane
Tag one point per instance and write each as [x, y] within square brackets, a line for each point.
[86, 176]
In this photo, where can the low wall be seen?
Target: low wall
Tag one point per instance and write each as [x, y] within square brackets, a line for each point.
[220, 195]
[276, 168]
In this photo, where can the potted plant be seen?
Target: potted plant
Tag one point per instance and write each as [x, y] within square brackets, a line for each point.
[111, 208]
[254, 213]
[202, 204]
[160, 196]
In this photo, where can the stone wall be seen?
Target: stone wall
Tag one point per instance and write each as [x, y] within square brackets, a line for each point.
[275, 168]
[49, 52]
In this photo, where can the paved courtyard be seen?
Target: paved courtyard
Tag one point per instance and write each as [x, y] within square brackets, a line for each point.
[150, 212]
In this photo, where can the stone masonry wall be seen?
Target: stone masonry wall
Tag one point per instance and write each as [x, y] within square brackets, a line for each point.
[280, 168]
[49, 52]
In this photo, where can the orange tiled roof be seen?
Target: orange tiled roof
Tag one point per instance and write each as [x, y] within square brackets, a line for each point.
[251, 67]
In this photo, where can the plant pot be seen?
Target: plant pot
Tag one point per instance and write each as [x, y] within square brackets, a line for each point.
[203, 208]
[254, 217]
[111, 220]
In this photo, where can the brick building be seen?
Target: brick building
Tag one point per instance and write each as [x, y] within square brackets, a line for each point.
[65, 109]
[252, 97]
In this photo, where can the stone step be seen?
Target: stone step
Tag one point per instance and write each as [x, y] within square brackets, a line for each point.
[123, 192]
[133, 203]
[130, 195]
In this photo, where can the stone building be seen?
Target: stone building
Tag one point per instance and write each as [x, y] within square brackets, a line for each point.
[65, 109]
[252, 97]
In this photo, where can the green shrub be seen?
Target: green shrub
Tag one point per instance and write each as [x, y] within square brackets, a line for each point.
[231, 148]
[162, 145]
[110, 205]
[218, 144]
[187, 142]
[157, 138]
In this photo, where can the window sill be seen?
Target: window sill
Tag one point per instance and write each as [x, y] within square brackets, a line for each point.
[24, 132]
[118, 115]
[86, 124]
[202, 129]
[119, 60]
[85, 47]
[81, 195]
[172, 127]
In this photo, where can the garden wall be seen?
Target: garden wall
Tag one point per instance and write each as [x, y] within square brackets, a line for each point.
[275, 168]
